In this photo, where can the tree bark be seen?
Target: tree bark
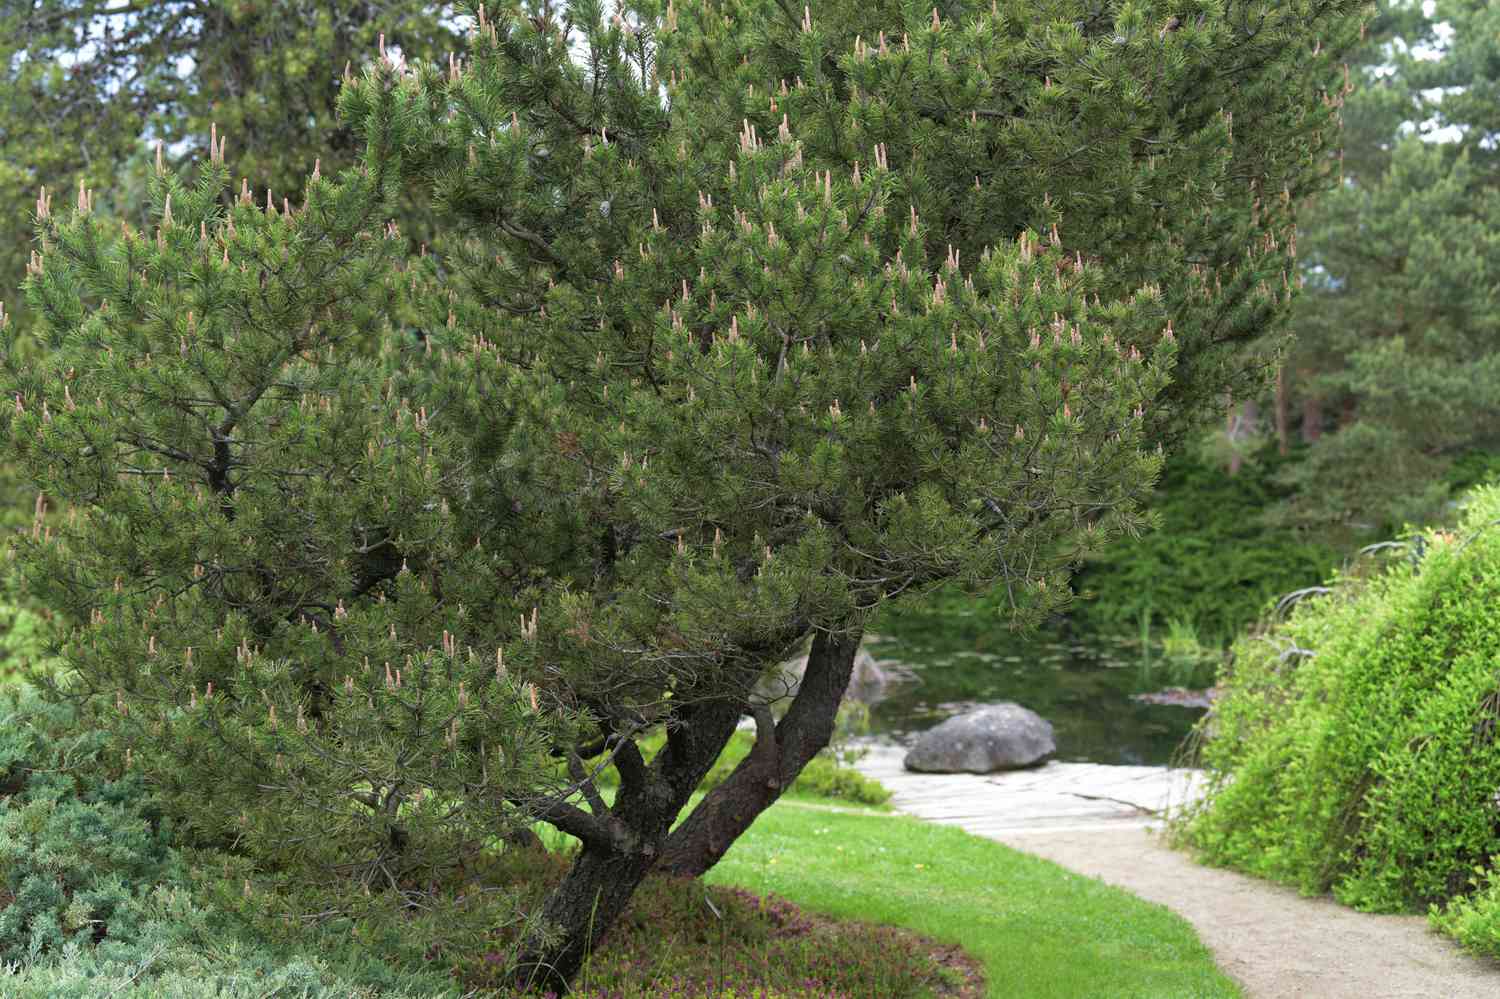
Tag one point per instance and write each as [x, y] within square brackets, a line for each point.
[1283, 412]
[1241, 424]
[780, 753]
[621, 843]
[1312, 417]
[595, 891]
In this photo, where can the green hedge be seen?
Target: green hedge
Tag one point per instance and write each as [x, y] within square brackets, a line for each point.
[1357, 747]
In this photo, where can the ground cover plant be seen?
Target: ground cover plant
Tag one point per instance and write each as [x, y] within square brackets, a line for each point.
[680, 937]
[1354, 749]
[739, 324]
[96, 900]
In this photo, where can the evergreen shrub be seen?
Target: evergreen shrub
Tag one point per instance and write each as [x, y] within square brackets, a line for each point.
[179, 954]
[1354, 749]
[73, 848]
[1212, 562]
[96, 900]
[1472, 468]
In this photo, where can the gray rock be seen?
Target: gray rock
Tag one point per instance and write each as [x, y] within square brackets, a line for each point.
[1001, 736]
[870, 681]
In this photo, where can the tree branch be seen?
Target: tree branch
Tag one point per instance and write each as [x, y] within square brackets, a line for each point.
[568, 818]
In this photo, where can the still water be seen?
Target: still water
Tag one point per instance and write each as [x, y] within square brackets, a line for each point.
[1082, 687]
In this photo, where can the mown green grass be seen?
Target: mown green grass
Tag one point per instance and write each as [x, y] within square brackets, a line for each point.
[1039, 930]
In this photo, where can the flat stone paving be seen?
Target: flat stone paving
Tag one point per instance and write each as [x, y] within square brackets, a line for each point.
[1054, 796]
[1093, 819]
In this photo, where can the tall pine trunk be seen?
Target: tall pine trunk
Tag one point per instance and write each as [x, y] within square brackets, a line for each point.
[1283, 413]
[1242, 422]
[781, 751]
[1312, 416]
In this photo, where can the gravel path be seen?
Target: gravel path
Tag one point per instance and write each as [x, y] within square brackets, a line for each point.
[1097, 820]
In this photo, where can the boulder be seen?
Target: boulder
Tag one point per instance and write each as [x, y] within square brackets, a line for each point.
[869, 682]
[1001, 736]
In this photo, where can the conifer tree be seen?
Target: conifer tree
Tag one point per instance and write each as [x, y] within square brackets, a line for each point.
[260, 580]
[83, 83]
[88, 86]
[1397, 331]
[744, 321]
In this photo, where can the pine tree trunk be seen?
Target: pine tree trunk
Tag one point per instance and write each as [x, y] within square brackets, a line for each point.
[621, 845]
[1241, 425]
[1312, 418]
[1283, 412]
[591, 897]
[780, 753]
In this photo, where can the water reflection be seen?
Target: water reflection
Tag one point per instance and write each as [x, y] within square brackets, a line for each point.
[1082, 688]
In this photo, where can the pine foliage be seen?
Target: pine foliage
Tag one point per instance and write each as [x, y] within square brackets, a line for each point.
[742, 322]
[87, 84]
[266, 489]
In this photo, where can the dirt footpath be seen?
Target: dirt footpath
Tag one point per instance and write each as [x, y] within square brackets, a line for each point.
[1272, 941]
[1275, 943]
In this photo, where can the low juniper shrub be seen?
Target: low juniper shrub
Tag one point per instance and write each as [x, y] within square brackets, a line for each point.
[76, 844]
[96, 898]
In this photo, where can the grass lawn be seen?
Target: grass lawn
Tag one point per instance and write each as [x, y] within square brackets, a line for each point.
[1039, 930]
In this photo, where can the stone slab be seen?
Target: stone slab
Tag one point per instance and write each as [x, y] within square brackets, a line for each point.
[1054, 795]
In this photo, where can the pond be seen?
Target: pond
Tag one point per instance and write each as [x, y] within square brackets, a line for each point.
[1082, 686]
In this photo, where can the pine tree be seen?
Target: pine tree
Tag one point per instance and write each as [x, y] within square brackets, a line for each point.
[744, 321]
[1397, 331]
[86, 83]
[260, 578]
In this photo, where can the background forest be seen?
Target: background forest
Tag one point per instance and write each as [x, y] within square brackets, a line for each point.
[1384, 405]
